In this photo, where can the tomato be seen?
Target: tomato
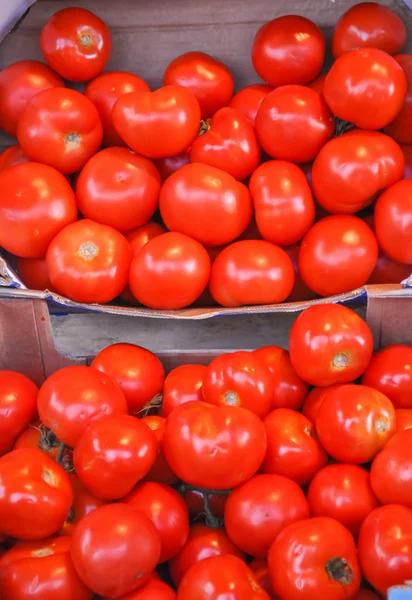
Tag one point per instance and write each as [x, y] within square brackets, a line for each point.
[288, 50]
[393, 221]
[115, 539]
[19, 83]
[365, 594]
[152, 590]
[403, 419]
[209, 79]
[18, 406]
[89, 262]
[38, 436]
[318, 83]
[293, 123]
[313, 402]
[300, 290]
[13, 155]
[182, 384]
[36, 202]
[368, 25]
[400, 129]
[160, 470]
[352, 168]
[330, 344]
[76, 44]
[260, 569]
[251, 272]
[216, 447]
[248, 99]
[390, 372]
[104, 91]
[41, 570]
[169, 272]
[169, 165]
[84, 502]
[73, 397]
[206, 203]
[33, 273]
[388, 271]
[385, 547]
[315, 558]
[283, 202]
[407, 153]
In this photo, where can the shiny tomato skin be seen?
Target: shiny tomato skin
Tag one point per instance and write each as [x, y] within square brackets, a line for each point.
[18, 406]
[251, 272]
[138, 237]
[400, 129]
[13, 155]
[198, 459]
[318, 83]
[104, 91]
[260, 569]
[84, 502]
[330, 344]
[288, 50]
[248, 99]
[403, 419]
[300, 290]
[160, 470]
[315, 558]
[115, 538]
[19, 83]
[313, 402]
[393, 221]
[283, 202]
[390, 372]
[35, 496]
[294, 123]
[388, 271]
[183, 384]
[385, 546]
[61, 128]
[152, 590]
[33, 273]
[72, 397]
[76, 44]
[32, 194]
[169, 165]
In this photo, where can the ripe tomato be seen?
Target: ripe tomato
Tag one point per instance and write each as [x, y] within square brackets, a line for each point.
[152, 590]
[403, 419]
[38, 436]
[160, 470]
[182, 384]
[293, 123]
[76, 44]
[288, 50]
[33, 273]
[289, 390]
[318, 83]
[206, 203]
[13, 155]
[249, 99]
[344, 493]
[315, 558]
[368, 25]
[115, 539]
[19, 83]
[35, 495]
[84, 502]
[390, 372]
[41, 570]
[352, 168]
[300, 290]
[251, 272]
[313, 402]
[393, 221]
[216, 447]
[385, 547]
[169, 165]
[365, 594]
[260, 569]
[18, 406]
[388, 271]
[330, 344]
[170, 272]
[89, 262]
[72, 397]
[36, 202]
[104, 91]
[283, 202]
[210, 80]
[400, 129]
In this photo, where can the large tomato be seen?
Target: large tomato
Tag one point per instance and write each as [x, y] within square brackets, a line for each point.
[160, 470]
[61, 128]
[18, 406]
[182, 384]
[288, 50]
[390, 372]
[249, 99]
[76, 44]
[84, 502]
[393, 221]
[33, 273]
[283, 202]
[36, 202]
[400, 129]
[330, 344]
[215, 447]
[313, 402]
[13, 155]
[403, 419]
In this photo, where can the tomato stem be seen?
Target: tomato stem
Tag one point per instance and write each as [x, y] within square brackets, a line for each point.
[339, 570]
[342, 127]
[154, 404]
[211, 520]
[60, 454]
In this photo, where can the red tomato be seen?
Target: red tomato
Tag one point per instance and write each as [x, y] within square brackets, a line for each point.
[182, 384]
[13, 155]
[19, 83]
[33, 273]
[251, 272]
[407, 153]
[36, 494]
[352, 168]
[104, 91]
[385, 547]
[260, 569]
[138, 371]
[169, 165]
[283, 202]
[239, 379]
[205, 203]
[41, 570]
[76, 44]
[84, 502]
[60, 128]
[215, 447]
[138, 237]
[365, 594]
[393, 221]
[344, 493]
[170, 272]
[330, 344]
[18, 407]
[210, 80]
[152, 590]
[313, 402]
[160, 470]
[368, 25]
[389, 271]
[403, 419]
[293, 123]
[300, 290]
[390, 372]
[249, 99]
[400, 129]
[38, 436]
[331, 248]
[318, 83]
[73, 397]
[288, 50]
[195, 502]
[115, 539]
[315, 558]
[289, 390]
[89, 262]
[28, 226]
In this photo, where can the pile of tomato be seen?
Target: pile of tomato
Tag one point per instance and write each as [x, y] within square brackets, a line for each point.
[193, 193]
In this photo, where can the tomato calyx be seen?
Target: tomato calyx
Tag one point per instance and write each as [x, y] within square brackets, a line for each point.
[381, 426]
[339, 570]
[86, 39]
[204, 127]
[88, 251]
[72, 140]
[231, 398]
[151, 407]
[48, 440]
[340, 361]
[342, 127]
[211, 520]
